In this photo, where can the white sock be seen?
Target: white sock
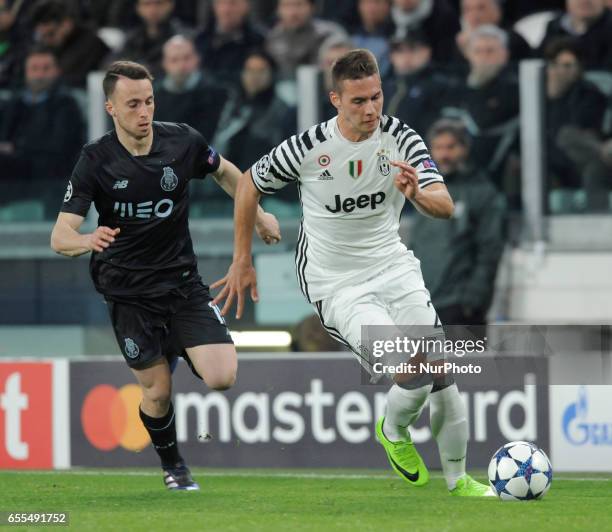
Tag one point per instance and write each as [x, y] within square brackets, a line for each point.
[450, 429]
[403, 408]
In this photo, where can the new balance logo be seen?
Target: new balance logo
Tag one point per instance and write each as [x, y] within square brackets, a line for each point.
[325, 176]
[120, 185]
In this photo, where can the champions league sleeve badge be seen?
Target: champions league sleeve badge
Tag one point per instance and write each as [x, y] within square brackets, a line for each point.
[263, 166]
[68, 194]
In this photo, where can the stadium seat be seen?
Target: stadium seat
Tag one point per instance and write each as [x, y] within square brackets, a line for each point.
[286, 90]
[23, 211]
[567, 201]
[533, 27]
[603, 80]
[82, 99]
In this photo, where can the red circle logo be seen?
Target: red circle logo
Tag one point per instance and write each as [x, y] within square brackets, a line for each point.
[110, 418]
[324, 160]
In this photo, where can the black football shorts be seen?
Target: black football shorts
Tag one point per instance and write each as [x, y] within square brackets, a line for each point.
[148, 329]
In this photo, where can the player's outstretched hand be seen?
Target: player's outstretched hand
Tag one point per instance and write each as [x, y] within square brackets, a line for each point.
[267, 228]
[407, 181]
[240, 276]
[101, 238]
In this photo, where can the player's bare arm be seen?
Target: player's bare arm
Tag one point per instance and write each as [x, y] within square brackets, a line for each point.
[241, 274]
[434, 201]
[66, 239]
[228, 176]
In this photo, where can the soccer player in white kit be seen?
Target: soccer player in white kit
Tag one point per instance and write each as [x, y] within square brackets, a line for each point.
[351, 263]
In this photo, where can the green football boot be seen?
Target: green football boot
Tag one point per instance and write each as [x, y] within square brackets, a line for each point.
[404, 458]
[468, 487]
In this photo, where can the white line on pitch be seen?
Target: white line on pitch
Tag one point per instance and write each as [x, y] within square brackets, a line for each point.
[315, 476]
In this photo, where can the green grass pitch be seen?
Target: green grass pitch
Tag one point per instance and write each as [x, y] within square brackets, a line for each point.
[270, 500]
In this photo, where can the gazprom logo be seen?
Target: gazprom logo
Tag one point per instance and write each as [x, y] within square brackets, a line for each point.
[576, 427]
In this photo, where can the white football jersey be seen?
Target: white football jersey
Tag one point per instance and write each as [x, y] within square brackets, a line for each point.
[351, 208]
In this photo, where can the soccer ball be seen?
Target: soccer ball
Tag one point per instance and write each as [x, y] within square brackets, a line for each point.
[520, 471]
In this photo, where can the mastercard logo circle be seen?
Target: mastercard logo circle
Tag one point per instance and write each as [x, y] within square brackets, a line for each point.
[110, 418]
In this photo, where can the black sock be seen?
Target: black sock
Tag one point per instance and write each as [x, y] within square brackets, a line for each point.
[162, 431]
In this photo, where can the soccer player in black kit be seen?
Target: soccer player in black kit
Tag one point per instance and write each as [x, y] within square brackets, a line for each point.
[142, 262]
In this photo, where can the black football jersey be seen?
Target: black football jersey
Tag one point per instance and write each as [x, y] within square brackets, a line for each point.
[147, 197]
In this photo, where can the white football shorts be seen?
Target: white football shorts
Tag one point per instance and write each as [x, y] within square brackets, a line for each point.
[395, 296]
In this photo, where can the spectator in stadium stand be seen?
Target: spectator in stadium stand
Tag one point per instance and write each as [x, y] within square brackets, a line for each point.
[255, 119]
[145, 42]
[77, 47]
[438, 19]
[515, 10]
[9, 45]
[344, 13]
[41, 129]
[459, 257]
[417, 90]
[575, 109]
[333, 48]
[475, 13]
[309, 336]
[184, 94]
[298, 36]
[373, 31]
[225, 43]
[121, 13]
[488, 103]
[590, 22]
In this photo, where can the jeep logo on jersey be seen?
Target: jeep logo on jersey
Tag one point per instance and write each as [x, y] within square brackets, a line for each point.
[162, 209]
[169, 181]
[131, 348]
[360, 202]
[68, 194]
[384, 165]
[355, 168]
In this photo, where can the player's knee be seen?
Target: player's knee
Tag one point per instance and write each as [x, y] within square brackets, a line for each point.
[412, 382]
[157, 398]
[222, 382]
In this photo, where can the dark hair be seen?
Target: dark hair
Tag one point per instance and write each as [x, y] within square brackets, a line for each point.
[260, 52]
[560, 45]
[49, 11]
[412, 39]
[126, 69]
[456, 128]
[40, 49]
[356, 64]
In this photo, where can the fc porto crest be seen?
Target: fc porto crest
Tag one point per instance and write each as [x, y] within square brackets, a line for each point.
[384, 164]
[169, 180]
[355, 168]
[131, 348]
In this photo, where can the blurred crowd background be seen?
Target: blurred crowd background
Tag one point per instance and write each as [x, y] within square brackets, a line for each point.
[228, 68]
[454, 70]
